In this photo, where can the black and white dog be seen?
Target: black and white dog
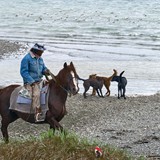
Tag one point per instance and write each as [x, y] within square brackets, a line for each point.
[122, 82]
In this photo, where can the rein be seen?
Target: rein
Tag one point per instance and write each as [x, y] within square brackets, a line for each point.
[53, 77]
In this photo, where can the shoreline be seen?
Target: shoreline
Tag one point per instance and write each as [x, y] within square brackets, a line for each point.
[12, 59]
[131, 124]
[9, 47]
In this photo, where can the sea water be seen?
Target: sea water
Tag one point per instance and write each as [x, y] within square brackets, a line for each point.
[97, 36]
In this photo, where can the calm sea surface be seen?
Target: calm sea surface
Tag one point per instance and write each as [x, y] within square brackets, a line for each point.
[98, 36]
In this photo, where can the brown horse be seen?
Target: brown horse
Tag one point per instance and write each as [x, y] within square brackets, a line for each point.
[65, 82]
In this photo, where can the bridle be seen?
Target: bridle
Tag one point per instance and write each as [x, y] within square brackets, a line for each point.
[54, 78]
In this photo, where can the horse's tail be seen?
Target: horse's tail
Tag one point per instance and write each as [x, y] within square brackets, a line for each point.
[120, 76]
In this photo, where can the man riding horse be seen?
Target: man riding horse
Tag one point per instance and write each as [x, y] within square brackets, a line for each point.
[32, 70]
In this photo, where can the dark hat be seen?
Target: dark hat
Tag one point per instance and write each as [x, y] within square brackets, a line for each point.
[39, 47]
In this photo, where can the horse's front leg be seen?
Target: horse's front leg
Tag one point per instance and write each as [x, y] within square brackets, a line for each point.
[54, 124]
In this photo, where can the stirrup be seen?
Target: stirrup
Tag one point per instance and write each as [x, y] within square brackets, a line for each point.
[39, 117]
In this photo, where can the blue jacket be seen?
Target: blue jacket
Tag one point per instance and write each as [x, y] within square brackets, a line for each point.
[32, 69]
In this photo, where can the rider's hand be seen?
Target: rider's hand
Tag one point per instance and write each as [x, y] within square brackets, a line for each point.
[33, 84]
[47, 72]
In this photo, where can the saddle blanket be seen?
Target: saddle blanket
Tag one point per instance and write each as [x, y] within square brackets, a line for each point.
[23, 104]
[22, 98]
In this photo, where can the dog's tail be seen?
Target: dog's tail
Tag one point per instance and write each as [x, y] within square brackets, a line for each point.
[80, 78]
[114, 74]
[93, 76]
[120, 76]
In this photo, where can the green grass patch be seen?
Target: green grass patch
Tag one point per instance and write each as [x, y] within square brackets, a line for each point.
[60, 146]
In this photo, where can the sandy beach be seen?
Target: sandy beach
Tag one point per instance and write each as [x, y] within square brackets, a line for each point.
[132, 124]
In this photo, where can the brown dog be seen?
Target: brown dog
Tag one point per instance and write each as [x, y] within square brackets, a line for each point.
[106, 80]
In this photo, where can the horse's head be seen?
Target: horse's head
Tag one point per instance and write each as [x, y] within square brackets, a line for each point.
[69, 78]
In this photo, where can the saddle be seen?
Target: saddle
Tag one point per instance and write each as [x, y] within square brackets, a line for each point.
[22, 103]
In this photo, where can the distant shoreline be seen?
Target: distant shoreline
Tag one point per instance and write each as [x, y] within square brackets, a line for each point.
[8, 47]
[16, 48]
